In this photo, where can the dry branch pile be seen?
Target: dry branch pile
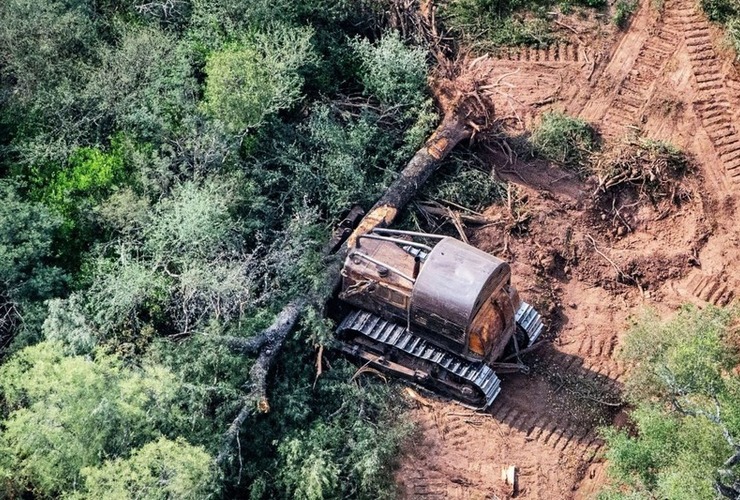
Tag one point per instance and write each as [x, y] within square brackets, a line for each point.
[652, 169]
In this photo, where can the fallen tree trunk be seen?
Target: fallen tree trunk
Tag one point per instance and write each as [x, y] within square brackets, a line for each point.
[453, 129]
[448, 134]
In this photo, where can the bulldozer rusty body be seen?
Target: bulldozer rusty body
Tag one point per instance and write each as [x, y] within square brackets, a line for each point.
[434, 310]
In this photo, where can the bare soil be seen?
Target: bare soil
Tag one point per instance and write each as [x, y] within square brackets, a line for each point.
[589, 266]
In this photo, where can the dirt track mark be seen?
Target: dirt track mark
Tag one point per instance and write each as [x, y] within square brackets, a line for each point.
[432, 486]
[635, 88]
[713, 105]
[555, 428]
[712, 288]
[560, 52]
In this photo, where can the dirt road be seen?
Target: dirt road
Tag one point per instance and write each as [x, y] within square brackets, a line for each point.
[670, 77]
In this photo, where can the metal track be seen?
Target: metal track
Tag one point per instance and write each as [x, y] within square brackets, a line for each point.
[528, 319]
[477, 375]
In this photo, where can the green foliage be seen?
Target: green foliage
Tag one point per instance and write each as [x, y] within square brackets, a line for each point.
[345, 449]
[623, 10]
[67, 324]
[66, 413]
[721, 11]
[27, 230]
[160, 469]
[391, 71]
[686, 400]
[489, 24]
[253, 79]
[38, 39]
[733, 33]
[565, 140]
[86, 179]
[143, 84]
[464, 183]
[184, 161]
[338, 173]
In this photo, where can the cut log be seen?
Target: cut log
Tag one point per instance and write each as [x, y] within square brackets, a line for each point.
[448, 134]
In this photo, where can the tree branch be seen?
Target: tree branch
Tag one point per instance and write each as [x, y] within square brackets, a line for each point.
[272, 339]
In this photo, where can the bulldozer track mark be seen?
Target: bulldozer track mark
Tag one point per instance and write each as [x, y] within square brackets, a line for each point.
[559, 52]
[635, 88]
[429, 488]
[545, 429]
[514, 417]
[714, 90]
[711, 288]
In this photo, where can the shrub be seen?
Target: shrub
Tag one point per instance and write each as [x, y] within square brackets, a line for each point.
[466, 184]
[250, 80]
[565, 140]
[623, 10]
[391, 71]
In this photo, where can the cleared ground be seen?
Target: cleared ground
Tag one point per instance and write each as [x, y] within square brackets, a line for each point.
[669, 76]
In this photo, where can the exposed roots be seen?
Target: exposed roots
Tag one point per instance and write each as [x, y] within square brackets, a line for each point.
[652, 169]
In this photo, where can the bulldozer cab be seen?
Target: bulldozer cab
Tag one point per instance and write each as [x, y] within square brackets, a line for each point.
[446, 291]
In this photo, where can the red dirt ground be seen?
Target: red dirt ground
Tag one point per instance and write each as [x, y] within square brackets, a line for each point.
[670, 77]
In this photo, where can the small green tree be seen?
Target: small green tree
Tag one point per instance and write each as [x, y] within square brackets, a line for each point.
[250, 80]
[392, 71]
[160, 469]
[687, 416]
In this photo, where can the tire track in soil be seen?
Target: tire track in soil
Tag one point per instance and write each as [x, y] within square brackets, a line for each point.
[713, 106]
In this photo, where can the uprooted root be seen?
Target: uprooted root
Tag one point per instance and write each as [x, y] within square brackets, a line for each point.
[653, 169]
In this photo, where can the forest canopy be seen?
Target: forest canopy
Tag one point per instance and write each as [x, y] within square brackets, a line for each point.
[169, 174]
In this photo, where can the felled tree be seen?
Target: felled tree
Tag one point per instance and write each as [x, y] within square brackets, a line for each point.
[465, 112]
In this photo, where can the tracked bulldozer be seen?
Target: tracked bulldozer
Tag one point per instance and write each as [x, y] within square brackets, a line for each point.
[433, 310]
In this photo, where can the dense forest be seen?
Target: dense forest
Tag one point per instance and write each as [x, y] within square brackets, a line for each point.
[170, 174]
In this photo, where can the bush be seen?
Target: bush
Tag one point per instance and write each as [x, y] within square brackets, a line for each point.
[391, 71]
[623, 10]
[464, 183]
[565, 140]
[250, 80]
